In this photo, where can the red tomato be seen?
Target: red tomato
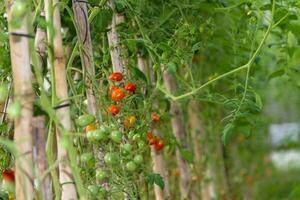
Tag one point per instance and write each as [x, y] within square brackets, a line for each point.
[130, 87]
[117, 95]
[113, 109]
[8, 175]
[159, 145]
[155, 117]
[116, 76]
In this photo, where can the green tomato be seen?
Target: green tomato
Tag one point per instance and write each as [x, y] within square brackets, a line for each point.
[18, 9]
[138, 159]
[91, 136]
[116, 136]
[131, 166]
[104, 129]
[3, 93]
[94, 189]
[85, 120]
[101, 174]
[14, 110]
[127, 147]
[87, 157]
[111, 159]
[99, 135]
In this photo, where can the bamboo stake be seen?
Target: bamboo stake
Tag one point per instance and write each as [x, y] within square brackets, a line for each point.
[159, 165]
[60, 90]
[20, 60]
[86, 52]
[180, 134]
[114, 43]
[40, 137]
[198, 137]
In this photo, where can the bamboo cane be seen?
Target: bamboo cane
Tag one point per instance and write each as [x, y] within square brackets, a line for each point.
[20, 60]
[60, 90]
[180, 134]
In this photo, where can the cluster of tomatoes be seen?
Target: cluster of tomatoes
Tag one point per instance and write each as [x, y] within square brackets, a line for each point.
[117, 93]
[123, 140]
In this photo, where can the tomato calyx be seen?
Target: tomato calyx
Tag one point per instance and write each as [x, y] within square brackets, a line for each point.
[116, 76]
[113, 109]
[130, 87]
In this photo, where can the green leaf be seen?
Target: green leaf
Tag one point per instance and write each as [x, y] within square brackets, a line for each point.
[157, 179]
[187, 155]
[102, 20]
[4, 196]
[138, 73]
[196, 46]
[277, 73]
[227, 133]
[258, 101]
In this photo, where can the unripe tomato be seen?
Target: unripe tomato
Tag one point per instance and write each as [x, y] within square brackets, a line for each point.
[101, 174]
[127, 147]
[116, 136]
[114, 110]
[117, 95]
[90, 127]
[111, 159]
[130, 87]
[138, 159]
[90, 136]
[87, 157]
[130, 121]
[85, 120]
[159, 145]
[101, 133]
[155, 117]
[18, 9]
[131, 166]
[14, 110]
[3, 93]
[116, 76]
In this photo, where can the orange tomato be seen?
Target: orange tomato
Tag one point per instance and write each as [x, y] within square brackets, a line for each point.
[90, 127]
[117, 95]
